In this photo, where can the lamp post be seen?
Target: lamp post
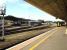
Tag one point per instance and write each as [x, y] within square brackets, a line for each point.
[3, 11]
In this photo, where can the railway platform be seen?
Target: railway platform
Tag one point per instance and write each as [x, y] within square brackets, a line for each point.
[55, 39]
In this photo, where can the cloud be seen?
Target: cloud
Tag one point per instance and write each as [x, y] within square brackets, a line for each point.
[8, 1]
[2, 2]
[12, 1]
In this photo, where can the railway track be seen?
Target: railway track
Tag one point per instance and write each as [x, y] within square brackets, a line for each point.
[13, 30]
[13, 39]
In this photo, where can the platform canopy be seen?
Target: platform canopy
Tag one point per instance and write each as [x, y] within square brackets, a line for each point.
[57, 8]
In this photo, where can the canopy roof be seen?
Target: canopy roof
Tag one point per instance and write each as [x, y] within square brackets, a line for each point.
[57, 8]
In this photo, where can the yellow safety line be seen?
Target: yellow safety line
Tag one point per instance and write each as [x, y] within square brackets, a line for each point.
[32, 48]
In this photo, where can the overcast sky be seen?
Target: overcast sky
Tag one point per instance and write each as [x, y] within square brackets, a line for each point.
[22, 9]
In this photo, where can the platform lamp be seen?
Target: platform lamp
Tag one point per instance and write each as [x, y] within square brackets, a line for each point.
[2, 13]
